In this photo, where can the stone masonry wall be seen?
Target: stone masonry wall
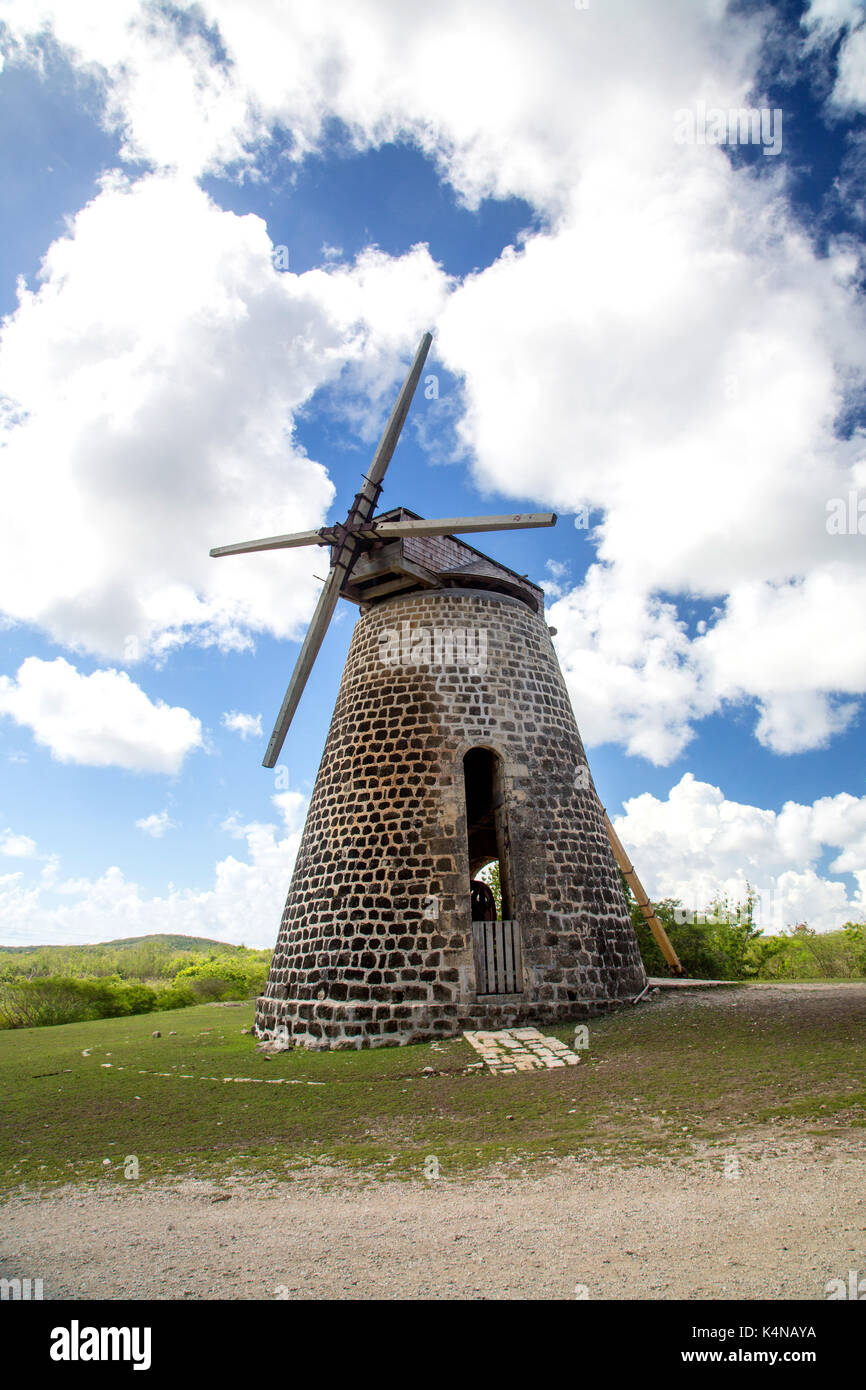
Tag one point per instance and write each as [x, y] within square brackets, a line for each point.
[375, 941]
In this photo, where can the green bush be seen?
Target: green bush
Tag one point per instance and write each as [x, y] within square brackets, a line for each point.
[148, 959]
[805, 954]
[67, 984]
[725, 944]
[61, 999]
[700, 956]
[224, 977]
[855, 937]
[210, 989]
[175, 997]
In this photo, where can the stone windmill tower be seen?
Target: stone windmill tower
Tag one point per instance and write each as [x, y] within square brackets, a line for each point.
[452, 744]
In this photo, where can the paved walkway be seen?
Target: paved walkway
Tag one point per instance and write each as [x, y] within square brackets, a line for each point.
[521, 1049]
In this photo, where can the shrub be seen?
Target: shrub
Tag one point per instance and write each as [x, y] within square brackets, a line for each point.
[725, 944]
[700, 956]
[224, 977]
[211, 988]
[805, 954]
[175, 997]
[60, 999]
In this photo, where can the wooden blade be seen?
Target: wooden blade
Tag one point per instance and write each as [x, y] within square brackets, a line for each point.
[304, 664]
[347, 550]
[454, 525]
[388, 442]
[272, 543]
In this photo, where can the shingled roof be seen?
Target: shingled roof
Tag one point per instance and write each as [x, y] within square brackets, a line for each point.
[432, 562]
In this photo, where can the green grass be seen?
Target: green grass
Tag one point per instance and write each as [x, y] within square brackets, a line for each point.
[656, 1082]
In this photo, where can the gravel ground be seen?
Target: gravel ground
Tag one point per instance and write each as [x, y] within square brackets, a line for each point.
[795, 1218]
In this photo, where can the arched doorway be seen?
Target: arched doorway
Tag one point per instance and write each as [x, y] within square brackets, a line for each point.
[495, 935]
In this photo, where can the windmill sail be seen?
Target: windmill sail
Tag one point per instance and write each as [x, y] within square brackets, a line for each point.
[356, 536]
[388, 442]
[345, 553]
[304, 664]
[388, 530]
[456, 525]
[271, 543]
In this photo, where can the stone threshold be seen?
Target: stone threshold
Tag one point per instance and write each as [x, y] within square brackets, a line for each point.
[520, 1049]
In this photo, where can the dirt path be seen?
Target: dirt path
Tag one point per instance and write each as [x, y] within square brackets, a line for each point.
[789, 1223]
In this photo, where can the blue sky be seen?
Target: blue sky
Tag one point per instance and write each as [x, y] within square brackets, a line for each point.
[669, 334]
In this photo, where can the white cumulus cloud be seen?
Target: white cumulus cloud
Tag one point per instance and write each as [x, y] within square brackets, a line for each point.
[16, 846]
[666, 344]
[247, 725]
[243, 905]
[101, 720]
[698, 845]
[156, 824]
[151, 382]
[844, 22]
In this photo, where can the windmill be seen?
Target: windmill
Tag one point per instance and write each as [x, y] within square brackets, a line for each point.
[453, 745]
[358, 535]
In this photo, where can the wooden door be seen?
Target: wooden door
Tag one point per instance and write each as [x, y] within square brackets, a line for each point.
[498, 960]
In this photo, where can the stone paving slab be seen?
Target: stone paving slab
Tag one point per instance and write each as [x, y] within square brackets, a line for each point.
[520, 1049]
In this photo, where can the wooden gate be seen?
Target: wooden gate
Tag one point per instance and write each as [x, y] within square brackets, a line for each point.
[498, 959]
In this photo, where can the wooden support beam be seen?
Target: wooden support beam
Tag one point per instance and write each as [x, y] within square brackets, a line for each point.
[374, 563]
[387, 586]
[406, 576]
[382, 563]
[642, 899]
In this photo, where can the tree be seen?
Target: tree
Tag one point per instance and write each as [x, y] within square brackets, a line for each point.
[490, 875]
[855, 936]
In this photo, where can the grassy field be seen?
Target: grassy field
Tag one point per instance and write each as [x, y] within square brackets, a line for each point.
[658, 1080]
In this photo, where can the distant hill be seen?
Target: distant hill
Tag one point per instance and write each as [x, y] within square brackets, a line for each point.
[164, 940]
[175, 943]
[153, 959]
